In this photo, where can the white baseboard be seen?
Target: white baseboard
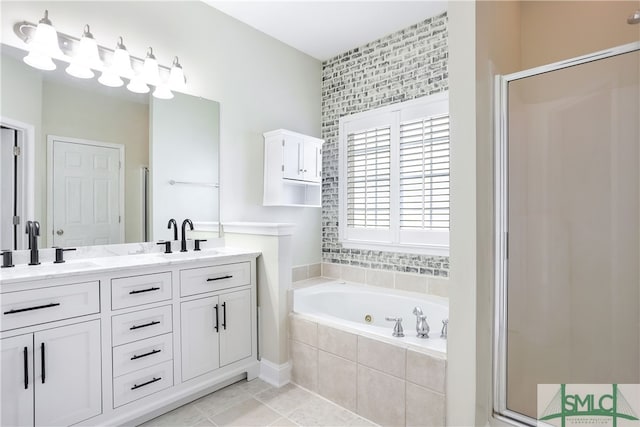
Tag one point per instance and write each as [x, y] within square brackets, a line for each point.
[276, 375]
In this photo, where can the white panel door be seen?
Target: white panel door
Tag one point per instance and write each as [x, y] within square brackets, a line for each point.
[68, 374]
[17, 380]
[86, 194]
[201, 321]
[235, 331]
[292, 157]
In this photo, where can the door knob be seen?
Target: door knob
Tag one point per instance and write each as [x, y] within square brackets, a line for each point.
[60, 232]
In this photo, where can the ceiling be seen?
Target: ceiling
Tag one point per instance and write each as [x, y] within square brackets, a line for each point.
[324, 29]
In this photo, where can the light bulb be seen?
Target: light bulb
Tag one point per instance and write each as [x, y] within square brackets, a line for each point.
[111, 79]
[85, 57]
[121, 63]
[177, 80]
[162, 92]
[137, 85]
[150, 72]
[44, 45]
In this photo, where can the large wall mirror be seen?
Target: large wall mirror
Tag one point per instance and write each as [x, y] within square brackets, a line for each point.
[98, 165]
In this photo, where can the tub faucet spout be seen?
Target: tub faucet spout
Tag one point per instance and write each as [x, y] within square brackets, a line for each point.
[422, 327]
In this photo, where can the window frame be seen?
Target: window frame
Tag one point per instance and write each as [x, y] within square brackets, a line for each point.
[428, 242]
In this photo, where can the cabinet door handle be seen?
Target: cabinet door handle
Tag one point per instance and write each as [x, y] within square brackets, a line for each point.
[144, 290]
[135, 386]
[155, 322]
[224, 315]
[42, 364]
[136, 356]
[213, 279]
[217, 325]
[39, 307]
[26, 368]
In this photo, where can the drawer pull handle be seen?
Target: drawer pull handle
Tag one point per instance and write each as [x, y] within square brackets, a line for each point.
[213, 279]
[135, 386]
[39, 307]
[224, 315]
[155, 322]
[135, 356]
[144, 290]
[42, 364]
[217, 325]
[26, 368]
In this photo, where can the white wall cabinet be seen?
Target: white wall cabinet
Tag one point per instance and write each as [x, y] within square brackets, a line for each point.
[216, 331]
[292, 169]
[52, 377]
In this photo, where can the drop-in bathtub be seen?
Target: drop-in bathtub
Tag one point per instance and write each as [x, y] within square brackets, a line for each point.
[362, 310]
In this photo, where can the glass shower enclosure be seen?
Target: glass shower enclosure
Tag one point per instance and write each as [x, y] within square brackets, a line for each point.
[567, 300]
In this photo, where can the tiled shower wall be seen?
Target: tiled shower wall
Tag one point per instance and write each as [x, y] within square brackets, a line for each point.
[405, 65]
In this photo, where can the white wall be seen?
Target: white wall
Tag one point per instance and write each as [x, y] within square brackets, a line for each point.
[261, 85]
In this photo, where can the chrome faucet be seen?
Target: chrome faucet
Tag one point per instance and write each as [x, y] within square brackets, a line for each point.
[33, 230]
[175, 228]
[183, 242]
[422, 327]
[397, 328]
[445, 327]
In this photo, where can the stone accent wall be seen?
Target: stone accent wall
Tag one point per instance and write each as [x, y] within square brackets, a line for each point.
[404, 65]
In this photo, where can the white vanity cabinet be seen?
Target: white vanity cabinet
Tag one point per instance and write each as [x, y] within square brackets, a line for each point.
[292, 169]
[122, 343]
[52, 376]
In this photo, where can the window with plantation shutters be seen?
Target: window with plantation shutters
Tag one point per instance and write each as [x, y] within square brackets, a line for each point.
[394, 177]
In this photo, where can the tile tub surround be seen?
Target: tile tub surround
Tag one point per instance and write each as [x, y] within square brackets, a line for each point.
[256, 403]
[385, 383]
[438, 286]
[365, 78]
[304, 272]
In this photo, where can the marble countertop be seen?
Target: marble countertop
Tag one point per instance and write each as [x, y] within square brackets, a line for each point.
[120, 263]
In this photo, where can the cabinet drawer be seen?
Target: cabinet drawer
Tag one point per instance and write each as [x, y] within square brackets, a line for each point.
[142, 354]
[138, 290]
[200, 280]
[25, 308]
[139, 384]
[142, 324]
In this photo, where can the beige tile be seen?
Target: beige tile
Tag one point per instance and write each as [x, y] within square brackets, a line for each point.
[304, 359]
[186, 415]
[353, 274]
[253, 387]
[438, 286]
[247, 413]
[331, 270]
[341, 343]
[424, 407]
[425, 370]
[283, 422]
[337, 380]
[379, 278]
[303, 331]
[214, 403]
[381, 397]
[322, 413]
[411, 282]
[299, 273]
[382, 356]
[286, 398]
[315, 270]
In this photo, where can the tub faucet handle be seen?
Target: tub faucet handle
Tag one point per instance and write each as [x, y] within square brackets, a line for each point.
[445, 326]
[397, 328]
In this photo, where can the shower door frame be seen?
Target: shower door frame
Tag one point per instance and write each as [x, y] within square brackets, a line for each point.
[501, 169]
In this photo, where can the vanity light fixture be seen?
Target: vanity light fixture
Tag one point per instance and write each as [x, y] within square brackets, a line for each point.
[44, 45]
[150, 71]
[85, 56]
[176, 76]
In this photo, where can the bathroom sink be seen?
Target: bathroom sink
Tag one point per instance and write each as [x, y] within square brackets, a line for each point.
[188, 255]
[46, 269]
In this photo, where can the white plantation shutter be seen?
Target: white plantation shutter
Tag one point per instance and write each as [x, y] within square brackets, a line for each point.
[394, 177]
[424, 174]
[369, 178]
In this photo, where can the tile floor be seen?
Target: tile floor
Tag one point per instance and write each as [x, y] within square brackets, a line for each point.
[256, 403]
